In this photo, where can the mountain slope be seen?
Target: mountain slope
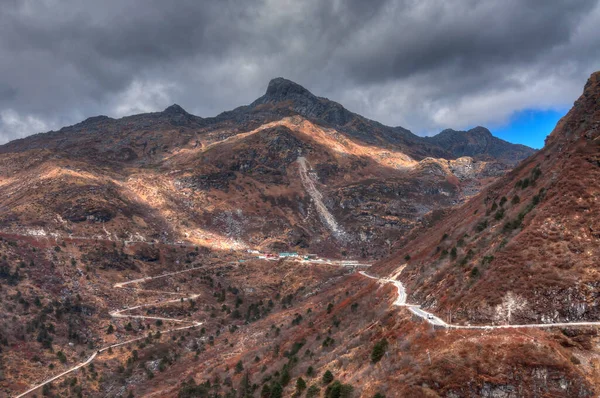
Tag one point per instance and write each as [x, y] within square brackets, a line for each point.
[526, 249]
[120, 232]
[234, 180]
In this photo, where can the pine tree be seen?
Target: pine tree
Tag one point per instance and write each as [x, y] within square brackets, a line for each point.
[379, 350]
[312, 392]
[276, 390]
[265, 392]
[245, 390]
[327, 377]
[239, 367]
[300, 385]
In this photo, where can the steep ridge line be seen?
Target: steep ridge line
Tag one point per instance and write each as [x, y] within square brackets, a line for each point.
[437, 321]
[317, 197]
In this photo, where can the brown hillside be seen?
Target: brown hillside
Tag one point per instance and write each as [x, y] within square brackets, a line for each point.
[533, 235]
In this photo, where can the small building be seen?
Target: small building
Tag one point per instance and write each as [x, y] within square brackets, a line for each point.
[288, 254]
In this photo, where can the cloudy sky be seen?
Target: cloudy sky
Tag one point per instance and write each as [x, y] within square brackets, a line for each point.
[514, 66]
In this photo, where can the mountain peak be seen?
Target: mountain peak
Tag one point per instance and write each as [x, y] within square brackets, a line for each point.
[480, 130]
[175, 110]
[280, 89]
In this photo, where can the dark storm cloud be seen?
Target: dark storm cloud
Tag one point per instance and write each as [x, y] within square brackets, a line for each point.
[424, 64]
[463, 35]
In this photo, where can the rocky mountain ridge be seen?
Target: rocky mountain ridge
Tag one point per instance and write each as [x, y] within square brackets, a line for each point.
[167, 171]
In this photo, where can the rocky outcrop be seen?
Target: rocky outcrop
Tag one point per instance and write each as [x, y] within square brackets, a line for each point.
[300, 100]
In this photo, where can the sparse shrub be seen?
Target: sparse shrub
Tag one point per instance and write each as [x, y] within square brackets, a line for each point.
[474, 272]
[536, 173]
[503, 200]
[575, 360]
[487, 260]
[538, 198]
[482, 225]
[379, 395]
[295, 349]
[110, 329]
[61, 357]
[515, 200]
[189, 389]
[512, 225]
[499, 214]
[328, 342]
[296, 321]
[329, 308]
[407, 257]
[453, 253]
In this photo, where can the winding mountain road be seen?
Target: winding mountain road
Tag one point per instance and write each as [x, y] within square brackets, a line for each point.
[437, 321]
[400, 302]
[120, 314]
